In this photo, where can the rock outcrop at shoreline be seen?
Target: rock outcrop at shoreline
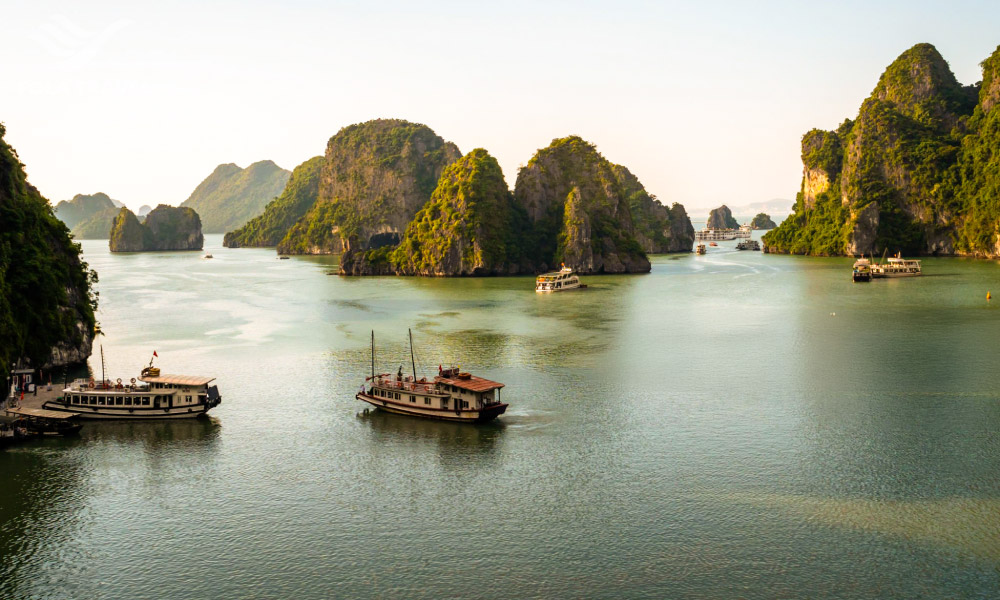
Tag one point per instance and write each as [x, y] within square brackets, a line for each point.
[916, 172]
[470, 226]
[47, 299]
[165, 228]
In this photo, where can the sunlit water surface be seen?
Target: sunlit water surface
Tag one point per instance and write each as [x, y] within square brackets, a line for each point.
[729, 425]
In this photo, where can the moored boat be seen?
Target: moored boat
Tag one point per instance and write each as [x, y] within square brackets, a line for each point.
[862, 270]
[896, 266]
[451, 396]
[558, 281]
[153, 395]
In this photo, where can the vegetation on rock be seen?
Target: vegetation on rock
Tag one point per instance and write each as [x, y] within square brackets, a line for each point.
[763, 221]
[47, 299]
[165, 228]
[231, 196]
[914, 172]
[470, 226]
[270, 227]
[375, 177]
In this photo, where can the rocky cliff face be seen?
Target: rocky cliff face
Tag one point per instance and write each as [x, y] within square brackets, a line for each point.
[657, 229]
[892, 179]
[46, 297]
[579, 210]
[375, 177]
[231, 196]
[165, 228]
[722, 218]
[470, 226]
[270, 227]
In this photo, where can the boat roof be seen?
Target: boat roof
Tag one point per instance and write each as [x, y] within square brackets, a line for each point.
[473, 383]
[178, 379]
[42, 413]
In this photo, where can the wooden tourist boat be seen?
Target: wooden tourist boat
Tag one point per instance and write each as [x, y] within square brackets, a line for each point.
[451, 396]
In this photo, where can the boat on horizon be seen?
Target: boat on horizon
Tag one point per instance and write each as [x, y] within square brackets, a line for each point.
[452, 395]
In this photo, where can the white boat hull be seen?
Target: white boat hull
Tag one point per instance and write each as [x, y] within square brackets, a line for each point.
[126, 414]
[487, 413]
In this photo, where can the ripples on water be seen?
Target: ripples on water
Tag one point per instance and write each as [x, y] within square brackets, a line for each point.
[733, 425]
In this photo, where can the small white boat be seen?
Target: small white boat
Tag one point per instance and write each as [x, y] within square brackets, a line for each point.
[558, 281]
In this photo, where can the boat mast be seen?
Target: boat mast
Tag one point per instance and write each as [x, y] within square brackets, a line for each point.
[413, 362]
[373, 354]
[104, 378]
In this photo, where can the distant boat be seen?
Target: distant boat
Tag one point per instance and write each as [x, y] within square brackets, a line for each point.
[896, 266]
[559, 281]
[712, 244]
[208, 256]
[700, 249]
[748, 245]
[862, 271]
[282, 258]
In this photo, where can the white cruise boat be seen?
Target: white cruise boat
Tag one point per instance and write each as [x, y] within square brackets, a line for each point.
[557, 281]
[154, 395]
[451, 396]
[897, 266]
[723, 235]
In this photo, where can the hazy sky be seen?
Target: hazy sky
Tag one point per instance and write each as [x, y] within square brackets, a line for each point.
[704, 101]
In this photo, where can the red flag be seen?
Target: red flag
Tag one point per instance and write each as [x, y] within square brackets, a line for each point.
[155, 354]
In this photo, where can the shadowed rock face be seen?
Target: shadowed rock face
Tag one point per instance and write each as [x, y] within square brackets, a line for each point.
[913, 173]
[722, 218]
[578, 205]
[470, 226]
[269, 228]
[375, 177]
[165, 228]
[46, 298]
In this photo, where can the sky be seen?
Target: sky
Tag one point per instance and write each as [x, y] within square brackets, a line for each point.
[705, 102]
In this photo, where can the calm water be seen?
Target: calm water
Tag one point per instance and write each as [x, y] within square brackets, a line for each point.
[733, 425]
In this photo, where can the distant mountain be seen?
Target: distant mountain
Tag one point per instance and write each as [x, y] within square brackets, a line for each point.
[82, 207]
[268, 228]
[231, 196]
[144, 210]
[117, 203]
[777, 207]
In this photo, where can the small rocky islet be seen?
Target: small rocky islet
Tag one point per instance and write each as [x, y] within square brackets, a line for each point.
[164, 228]
[393, 197]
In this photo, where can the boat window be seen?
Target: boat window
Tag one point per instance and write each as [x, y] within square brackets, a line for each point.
[465, 404]
[128, 402]
[427, 400]
[119, 401]
[100, 401]
[145, 401]
[444, 403]
[188, 398]
[413, 398]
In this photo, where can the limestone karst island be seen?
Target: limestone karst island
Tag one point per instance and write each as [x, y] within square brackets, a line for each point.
[427, 300]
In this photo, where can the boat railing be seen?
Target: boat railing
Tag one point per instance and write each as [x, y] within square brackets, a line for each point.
[404, 384]
[86, 385]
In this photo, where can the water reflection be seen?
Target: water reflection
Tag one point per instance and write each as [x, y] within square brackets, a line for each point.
[454, 441]
[202, 431]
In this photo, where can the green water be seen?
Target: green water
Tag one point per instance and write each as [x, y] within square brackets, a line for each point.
[730, 425]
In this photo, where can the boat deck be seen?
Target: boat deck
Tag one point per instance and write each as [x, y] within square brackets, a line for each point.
[33, 402]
